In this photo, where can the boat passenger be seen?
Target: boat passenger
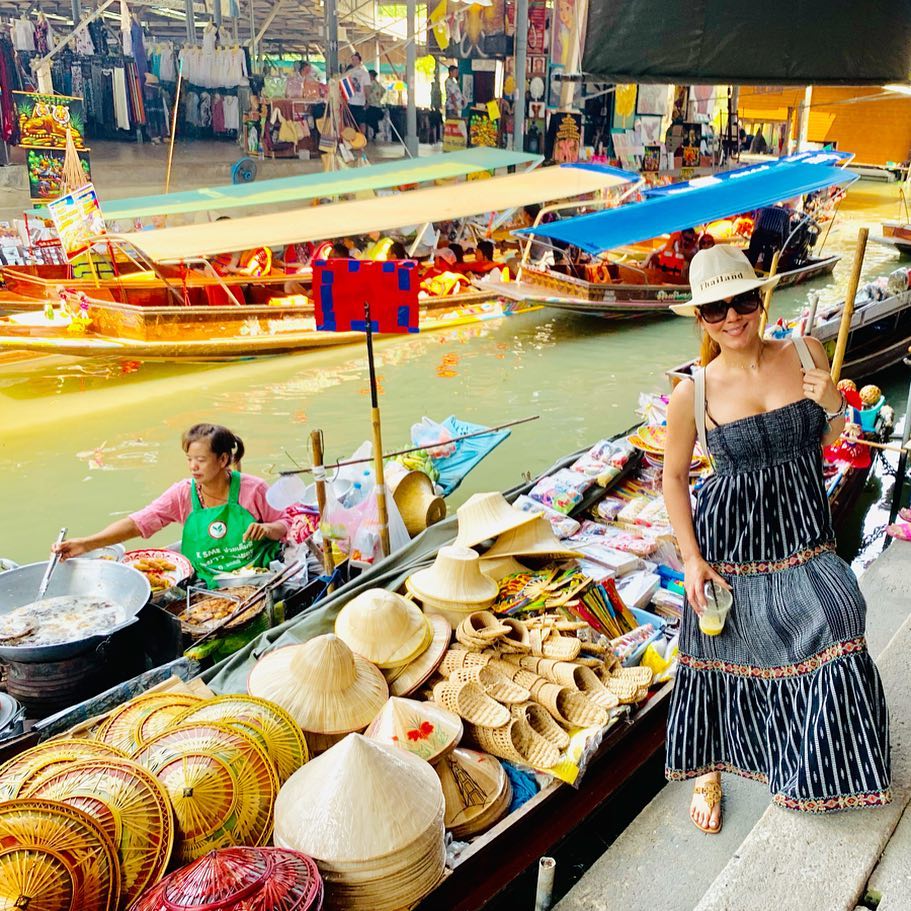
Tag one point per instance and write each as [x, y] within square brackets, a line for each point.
[397, 251]
[674, 257]
[339, 251]
[227, 522]
[706, 241]
[484, 251]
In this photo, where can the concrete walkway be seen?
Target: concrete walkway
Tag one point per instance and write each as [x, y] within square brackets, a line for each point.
[767, 859]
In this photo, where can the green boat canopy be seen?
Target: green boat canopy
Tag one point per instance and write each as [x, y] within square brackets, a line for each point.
[303, 187]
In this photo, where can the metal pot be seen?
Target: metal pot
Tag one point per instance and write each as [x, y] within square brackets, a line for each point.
[121, 585]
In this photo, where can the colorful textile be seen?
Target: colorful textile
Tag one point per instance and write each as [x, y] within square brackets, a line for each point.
[787, 694]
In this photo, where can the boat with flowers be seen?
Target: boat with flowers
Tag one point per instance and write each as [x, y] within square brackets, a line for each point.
[176, 305]
[604, 267]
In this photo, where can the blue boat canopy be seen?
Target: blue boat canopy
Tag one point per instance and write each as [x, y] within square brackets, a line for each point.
[694, 203]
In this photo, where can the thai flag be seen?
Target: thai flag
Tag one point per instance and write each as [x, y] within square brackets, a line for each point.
[347, 87]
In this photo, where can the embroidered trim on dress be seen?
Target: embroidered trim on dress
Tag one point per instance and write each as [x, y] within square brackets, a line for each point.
[808, 666]
[803, 804]
[762, 567]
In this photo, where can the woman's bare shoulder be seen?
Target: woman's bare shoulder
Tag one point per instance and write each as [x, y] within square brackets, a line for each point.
[683, 397]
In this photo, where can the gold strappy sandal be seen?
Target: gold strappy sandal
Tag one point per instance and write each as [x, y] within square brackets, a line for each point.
[711, 793]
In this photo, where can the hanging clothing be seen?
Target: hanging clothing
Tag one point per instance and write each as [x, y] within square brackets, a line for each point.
[121, 105]
[787, 694]
[83, 43]
[231, 108]
[138, 50]
[42, 30]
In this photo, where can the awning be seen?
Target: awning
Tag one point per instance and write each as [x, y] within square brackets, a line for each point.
[696, 202]
[343, 219]
[303, 187]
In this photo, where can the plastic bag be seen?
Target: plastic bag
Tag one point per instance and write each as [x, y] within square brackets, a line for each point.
[366, 545]
[429, 433]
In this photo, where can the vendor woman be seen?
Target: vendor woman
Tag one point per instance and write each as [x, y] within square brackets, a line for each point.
[227, 523]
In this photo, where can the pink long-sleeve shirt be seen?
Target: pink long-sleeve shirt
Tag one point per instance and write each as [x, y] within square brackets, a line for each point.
[176, 503]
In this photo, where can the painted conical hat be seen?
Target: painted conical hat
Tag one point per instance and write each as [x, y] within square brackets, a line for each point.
[359, 801]
[534, 539]
[424, 729]
[410, 677]
[486, 515]
[455, 577]
[473, 783]
[324, 686]
[383, 627]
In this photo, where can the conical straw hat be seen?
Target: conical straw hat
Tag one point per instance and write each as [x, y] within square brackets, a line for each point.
[487, 515]
[424, 729]
[417, 503]
[473, 783]
[533, 539]
[413, 675]
[455, 577]
[323, 685]
[498, 568]
[384, 628]
[359, 801]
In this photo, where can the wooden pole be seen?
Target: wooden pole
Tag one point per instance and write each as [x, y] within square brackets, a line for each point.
[316, 445]
[167, 178]
[764, 319]
[377, 439]
[844, 330]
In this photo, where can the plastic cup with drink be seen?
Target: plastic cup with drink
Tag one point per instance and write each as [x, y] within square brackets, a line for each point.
[718, 601]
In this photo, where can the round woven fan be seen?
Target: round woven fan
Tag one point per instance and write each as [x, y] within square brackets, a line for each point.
[55, 858]
[221, 784]
[123, 728]
[23, 771]
[129, 804]
[266, 879]
[284, 738]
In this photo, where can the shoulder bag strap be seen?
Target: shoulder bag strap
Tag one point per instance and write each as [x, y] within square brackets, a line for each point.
[803, 352]
[699, 409]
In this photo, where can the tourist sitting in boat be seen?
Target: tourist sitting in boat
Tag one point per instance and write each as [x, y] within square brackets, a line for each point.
[706, 241]
[227, 522]
[484, 252]
[674, 257]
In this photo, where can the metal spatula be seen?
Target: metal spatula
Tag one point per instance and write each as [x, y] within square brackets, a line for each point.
[51, 566]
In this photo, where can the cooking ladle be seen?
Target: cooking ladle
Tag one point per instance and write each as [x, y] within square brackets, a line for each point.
[51, 566]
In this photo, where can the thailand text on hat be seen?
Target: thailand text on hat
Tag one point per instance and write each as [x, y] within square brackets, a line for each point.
[720, 272]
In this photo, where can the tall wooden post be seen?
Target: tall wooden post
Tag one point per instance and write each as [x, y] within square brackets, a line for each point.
[845, 329]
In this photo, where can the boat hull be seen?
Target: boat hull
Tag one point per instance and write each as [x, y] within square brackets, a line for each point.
[622, 300]
[213, 333]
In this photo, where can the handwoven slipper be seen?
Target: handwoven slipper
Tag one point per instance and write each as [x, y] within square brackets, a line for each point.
[581, 711]
[623, 688]
[517, 640]
[496, 684]
[540, 721]
[592, 663]
[552, 697]
[711, 793]
[528, 679]
[641, 676]
[484, 624]
[457, 658]
[516, 742]
[469, 701]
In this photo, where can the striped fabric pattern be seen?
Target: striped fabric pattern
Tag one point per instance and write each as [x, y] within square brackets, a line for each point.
[788, 693]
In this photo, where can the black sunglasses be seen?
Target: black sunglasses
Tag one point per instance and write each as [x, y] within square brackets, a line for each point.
[744, 304]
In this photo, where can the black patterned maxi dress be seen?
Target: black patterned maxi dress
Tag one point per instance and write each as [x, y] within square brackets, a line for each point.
[787, 693]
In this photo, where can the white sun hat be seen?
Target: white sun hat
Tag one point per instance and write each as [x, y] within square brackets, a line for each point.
[719, 272]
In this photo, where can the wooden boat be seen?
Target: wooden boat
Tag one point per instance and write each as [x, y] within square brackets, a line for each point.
[175, 309]
[612, 289]
[896, 234]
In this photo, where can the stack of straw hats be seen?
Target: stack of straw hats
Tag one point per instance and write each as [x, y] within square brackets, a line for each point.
[454, 586]
[477, 791]
[385, 628]
[421, 728]
[405, 680]
[534, 538]
[484, 516]
[371, 816]
[418, 504]
[327, 689]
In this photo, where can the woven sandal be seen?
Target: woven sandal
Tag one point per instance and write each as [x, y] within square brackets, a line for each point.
[481, 627]
[641, 676]
[516, 742]
[497, 685]
[457, 658]
[540, 721]
[517, 640]
[711, 793]
[469, 701]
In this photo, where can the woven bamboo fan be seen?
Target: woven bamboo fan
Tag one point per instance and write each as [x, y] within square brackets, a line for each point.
[220, 783]
[23, 771]
[123, 728]
[258, 879]
[284, 739]
[55, 858]
[129, 804]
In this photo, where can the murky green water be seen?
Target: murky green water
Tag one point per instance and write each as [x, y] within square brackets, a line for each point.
[85, 441]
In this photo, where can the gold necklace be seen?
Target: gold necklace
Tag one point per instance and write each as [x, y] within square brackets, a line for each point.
[758, 359]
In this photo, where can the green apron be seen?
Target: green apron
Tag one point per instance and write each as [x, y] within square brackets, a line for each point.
[213, 537]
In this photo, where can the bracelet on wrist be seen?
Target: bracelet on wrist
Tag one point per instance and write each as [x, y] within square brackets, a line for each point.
[839, 411]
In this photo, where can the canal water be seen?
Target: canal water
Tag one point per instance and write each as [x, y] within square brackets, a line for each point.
[85, 441]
